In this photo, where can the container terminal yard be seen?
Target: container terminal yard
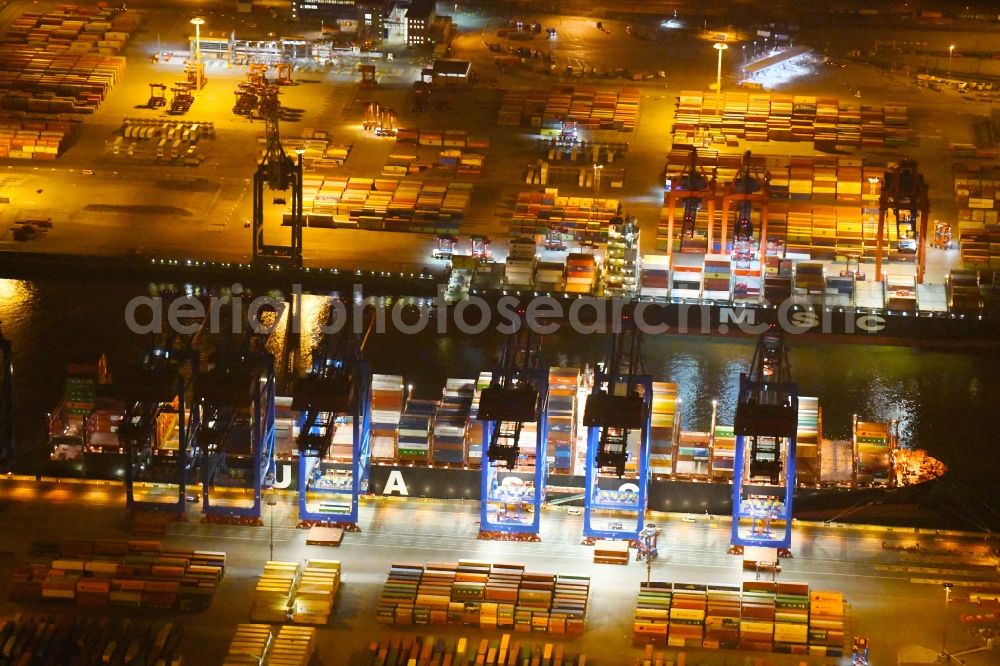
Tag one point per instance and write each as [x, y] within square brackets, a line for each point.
[189, 512]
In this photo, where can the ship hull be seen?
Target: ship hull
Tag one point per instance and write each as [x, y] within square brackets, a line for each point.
[671, 495]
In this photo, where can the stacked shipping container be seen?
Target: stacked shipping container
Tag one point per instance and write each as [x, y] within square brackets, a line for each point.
[132, 574]
[387, 408]
[451, 422]
[491, 596]
[762, 616]
[561, 412]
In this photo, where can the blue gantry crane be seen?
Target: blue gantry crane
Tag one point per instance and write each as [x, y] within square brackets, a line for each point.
[617, 414]
[157, 429]
[766, 421]
[511, 500]
[235, 435]
[336, 393]
[7, 449]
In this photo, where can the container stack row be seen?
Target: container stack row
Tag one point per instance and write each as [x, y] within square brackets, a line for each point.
[807, 441]
[581, 273]
[387, 409]
[273, 594]
[491, 596]
[74, 29]
[723, 452]
[39, 82]
[587, 107]
[476, 433]
[584, 218]
[386, 204]
[654, 277]
[663, 428]
[621, 262]
[249, 645]
[831, 124]
[35, 137]
[747, 282]
[964, 291]
[451, 423]
[315, 591]
[301, 593]
[445, 138]
[977, 192]
[450, 162]
[519, 270]
[717, 277]
[415, 430]
[131, 574]
[692, 454]
[505, 651]
[69, 639]
[760, 616]
[874, 453]
[826, 623]
[561, 413]
[262, 645]
[803, 229]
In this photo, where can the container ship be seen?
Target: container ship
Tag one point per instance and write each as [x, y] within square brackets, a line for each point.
[83, 426]
[434, 448]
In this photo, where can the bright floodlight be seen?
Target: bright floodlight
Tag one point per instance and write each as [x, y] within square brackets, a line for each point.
[197, 20]
[720, 47]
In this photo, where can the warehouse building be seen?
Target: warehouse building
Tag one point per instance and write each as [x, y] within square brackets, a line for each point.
[349, 16]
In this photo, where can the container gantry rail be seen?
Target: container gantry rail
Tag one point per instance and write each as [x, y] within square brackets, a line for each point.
[338, 385]
[617, 415]
[7, 444]
[156, 399]
[236, 435]
[766, 422]
[512, 498]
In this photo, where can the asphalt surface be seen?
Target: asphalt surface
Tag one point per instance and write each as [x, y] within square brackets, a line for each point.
[894, 597]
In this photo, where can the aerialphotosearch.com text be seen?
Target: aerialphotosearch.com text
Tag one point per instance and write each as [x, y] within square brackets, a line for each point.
[475, 314]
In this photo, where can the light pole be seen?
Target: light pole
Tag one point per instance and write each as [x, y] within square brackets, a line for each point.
[197, 22]
[271, 501]
[597, 178]
[944, 628]
[720, 47]
[951, 52]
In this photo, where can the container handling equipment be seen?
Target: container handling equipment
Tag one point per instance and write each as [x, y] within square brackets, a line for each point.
[338, 385]
[517, 394]
[236, 434]
[766, 422]
[617, 415]
[156, 396]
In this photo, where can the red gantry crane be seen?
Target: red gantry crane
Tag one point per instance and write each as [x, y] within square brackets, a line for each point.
[904, 193]
[746, 192]
[693, 191]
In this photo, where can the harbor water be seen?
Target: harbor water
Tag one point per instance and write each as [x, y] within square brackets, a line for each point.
[946, 402]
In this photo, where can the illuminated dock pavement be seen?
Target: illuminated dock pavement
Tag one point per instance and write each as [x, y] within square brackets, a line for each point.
[883, 602]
